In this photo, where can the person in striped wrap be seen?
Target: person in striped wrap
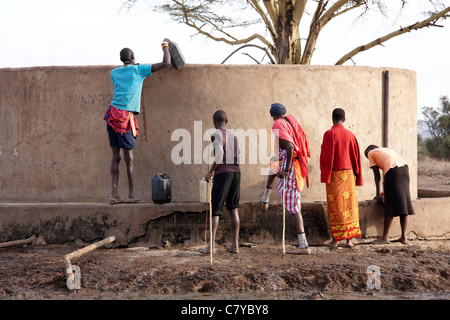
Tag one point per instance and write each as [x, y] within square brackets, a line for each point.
[291, 168]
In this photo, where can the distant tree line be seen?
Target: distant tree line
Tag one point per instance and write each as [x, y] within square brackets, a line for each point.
[437, 124]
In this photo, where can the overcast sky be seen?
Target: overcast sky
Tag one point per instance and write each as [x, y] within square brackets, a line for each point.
[92, 32]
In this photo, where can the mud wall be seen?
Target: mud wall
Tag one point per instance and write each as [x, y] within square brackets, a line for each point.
[54, 146]
[156, 225]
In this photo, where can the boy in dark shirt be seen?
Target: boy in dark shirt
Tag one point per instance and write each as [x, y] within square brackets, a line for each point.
[227, 179]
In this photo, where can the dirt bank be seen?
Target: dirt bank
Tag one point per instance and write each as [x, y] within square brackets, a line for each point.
[419, 270]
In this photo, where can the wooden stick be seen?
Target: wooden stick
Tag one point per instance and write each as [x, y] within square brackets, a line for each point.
[210, 224]
[82, 251]
[204, 199]
[206, 224]
[18, 242]
[284, 216]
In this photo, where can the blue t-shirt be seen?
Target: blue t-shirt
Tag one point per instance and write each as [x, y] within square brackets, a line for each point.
[127, 81]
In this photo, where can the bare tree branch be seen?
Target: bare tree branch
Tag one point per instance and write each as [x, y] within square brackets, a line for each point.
[271, 9]
[272, 61]
[215, 20]
[431, 21]
[248, 55]
[299, 9]
[328, 14]
[314, 31]
[336, 14]
[267, 22]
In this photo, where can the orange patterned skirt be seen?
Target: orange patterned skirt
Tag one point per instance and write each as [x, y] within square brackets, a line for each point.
[342, 201]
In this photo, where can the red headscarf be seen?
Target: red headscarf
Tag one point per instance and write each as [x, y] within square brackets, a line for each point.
[292, 131]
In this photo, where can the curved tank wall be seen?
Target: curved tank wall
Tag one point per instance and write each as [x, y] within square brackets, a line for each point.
[54, 146]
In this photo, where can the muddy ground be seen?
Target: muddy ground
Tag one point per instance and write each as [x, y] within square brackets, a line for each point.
[418, 270]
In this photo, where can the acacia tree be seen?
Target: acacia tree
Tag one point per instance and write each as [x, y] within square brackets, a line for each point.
[437, 122]
[282, 18]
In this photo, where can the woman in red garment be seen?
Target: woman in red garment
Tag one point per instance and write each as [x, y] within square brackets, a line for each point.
[340, 166]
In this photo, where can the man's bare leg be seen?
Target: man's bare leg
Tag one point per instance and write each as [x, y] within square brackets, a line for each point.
[235, 225]
[115, 173]
[215, 225]
[303, 244]
[129, 161]
[270, 180]
[298, 221]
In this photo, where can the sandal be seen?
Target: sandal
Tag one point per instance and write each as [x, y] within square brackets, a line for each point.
[129, 200]
[379, 241]
[306, 251]
[349, 245]
[206, 250]
[115, 201]
[401, 241]
[332, 246]
[234, 251]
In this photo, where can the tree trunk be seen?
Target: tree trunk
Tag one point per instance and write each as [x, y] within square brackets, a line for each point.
[287, 44]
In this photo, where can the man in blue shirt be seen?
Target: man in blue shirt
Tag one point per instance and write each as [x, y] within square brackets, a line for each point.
[122, 126]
